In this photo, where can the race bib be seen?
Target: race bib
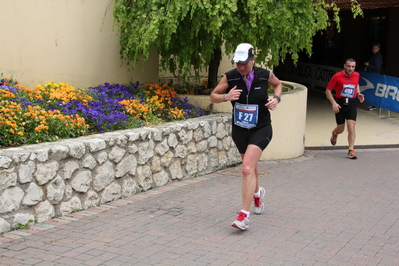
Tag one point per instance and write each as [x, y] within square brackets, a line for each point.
[348, 91]
[246, 115]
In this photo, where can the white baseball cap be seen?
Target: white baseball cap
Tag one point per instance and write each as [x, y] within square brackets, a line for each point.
[244, 52]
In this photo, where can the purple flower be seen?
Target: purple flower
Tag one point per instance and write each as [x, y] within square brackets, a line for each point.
[189, 109]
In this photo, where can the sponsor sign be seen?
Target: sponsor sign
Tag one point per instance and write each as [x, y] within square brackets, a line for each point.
[379, 90]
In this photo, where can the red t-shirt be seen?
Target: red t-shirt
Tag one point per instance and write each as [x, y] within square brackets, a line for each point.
[345, 86]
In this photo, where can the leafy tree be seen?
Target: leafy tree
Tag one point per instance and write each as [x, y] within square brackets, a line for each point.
[189, 34]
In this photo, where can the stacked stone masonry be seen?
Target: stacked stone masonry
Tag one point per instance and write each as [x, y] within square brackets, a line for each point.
[47, 180]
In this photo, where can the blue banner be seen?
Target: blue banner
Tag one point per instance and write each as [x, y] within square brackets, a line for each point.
[379, 90]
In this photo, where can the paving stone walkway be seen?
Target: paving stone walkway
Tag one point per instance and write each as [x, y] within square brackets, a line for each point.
[321, 209]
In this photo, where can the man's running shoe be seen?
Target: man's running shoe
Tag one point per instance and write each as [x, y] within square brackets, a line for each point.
[370, 108]
[259, 206]
[333, 139]
[241, 222]
[351, 154]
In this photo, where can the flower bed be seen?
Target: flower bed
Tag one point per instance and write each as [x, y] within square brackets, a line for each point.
[57, 110]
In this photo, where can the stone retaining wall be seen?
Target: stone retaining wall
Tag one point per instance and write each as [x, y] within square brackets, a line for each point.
[43, 181]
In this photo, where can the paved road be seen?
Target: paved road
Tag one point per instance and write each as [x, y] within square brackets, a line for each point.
[321, 209]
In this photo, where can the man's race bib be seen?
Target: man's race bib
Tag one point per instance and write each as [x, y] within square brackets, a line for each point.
[246, 115]
[348, 91]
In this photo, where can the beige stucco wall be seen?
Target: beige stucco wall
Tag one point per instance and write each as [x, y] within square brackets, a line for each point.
[289, 125]
[65, 41]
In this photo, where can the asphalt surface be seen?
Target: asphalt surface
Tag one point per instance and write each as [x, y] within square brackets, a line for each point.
[321, 209]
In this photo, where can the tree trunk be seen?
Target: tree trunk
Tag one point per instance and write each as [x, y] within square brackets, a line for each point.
[214, 67]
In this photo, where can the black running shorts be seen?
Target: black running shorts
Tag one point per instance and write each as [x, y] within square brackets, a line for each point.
[347, 112]
[243, 137]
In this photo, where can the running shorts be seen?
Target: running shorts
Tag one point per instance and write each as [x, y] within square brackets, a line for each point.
[243, 137]
[346, 112]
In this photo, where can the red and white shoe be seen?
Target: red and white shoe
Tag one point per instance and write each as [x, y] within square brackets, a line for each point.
[259, 206]
[241, 222]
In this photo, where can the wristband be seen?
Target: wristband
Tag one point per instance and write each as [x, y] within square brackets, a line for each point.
[277, 97]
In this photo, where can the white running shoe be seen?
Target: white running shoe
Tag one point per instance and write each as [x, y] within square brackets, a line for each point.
[241, 222]
[259, 206]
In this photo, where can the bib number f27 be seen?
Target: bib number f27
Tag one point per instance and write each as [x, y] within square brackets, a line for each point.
[246, 115]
